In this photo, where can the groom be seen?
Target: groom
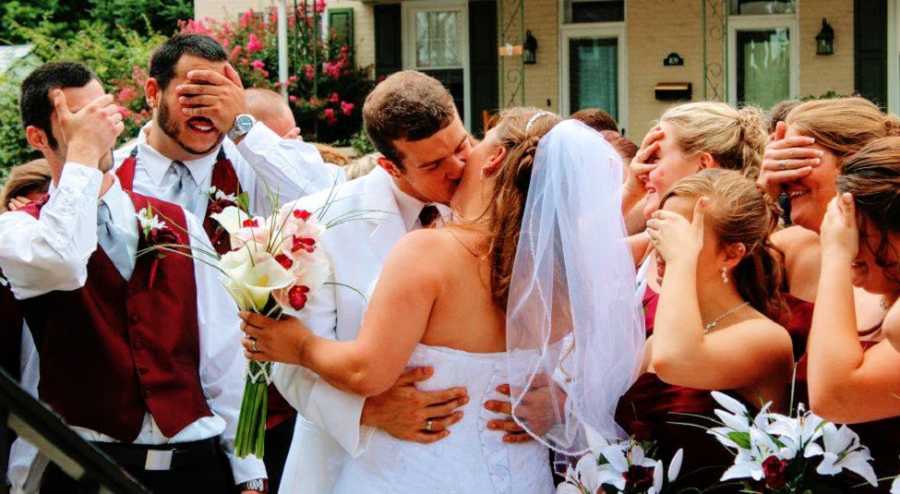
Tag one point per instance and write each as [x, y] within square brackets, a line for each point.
[411, 118]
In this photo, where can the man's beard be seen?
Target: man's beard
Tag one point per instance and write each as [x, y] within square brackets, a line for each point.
[171, 129]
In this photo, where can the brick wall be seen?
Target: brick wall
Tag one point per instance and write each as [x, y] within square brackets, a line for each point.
[653, 29]
[822, 73]
[542, 78]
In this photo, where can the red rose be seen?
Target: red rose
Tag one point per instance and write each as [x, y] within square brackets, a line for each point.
[774, 469]
[638, 477]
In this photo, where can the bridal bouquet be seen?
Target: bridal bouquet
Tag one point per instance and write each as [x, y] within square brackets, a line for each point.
[774, 453]
[619, 466]
[274, 264]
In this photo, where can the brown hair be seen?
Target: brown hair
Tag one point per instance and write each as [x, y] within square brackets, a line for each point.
[407, 105]
[33, 176]
[873, 177]
[597, 119]
[780, 111]
[842, 125]
[736, 139]
[507, 203]
[626, 149]
[739, 212]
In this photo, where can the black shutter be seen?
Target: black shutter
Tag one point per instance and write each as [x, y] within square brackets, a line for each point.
[870, 49]
[482, 60]
[388, 40]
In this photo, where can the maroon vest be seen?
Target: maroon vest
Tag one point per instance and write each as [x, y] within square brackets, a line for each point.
[224, 178]
[114, 350]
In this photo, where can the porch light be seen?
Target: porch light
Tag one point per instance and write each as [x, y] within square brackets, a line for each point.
[529, 49]
[825, 39]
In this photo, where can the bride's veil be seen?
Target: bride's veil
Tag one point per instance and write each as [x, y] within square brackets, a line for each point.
[575, 332]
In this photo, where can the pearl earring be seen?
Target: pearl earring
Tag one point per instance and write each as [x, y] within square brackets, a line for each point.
[724, 275]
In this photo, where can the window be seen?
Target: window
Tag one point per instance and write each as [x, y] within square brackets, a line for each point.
[763, 67]
[438, 35]
[340, 25]
[593, 74]
[762, 58]
[583, 11]
[758, 7]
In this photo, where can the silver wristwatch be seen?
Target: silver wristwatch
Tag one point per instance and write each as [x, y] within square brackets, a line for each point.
[258, 485]
[242, 124]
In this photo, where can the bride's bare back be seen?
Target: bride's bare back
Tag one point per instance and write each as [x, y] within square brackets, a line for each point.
[463, 316]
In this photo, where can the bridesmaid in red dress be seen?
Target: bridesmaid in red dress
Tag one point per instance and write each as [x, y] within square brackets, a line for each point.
[714, 327]
[851, 381]
[804, 159]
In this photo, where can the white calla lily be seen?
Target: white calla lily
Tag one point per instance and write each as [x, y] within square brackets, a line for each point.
[264, 278]
[231, 219]
[895, 485]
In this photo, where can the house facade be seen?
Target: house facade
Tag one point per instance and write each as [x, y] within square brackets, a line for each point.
[633, 58]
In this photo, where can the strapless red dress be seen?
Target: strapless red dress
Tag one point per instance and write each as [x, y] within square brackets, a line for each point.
[881, 436]
[651, 408]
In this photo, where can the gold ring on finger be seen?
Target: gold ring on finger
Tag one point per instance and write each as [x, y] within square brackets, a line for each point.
[253, 347]
[428, 425]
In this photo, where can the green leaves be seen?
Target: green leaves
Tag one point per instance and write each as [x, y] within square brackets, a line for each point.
[742, 439]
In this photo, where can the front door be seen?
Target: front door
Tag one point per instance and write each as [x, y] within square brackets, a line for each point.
[436, 38]
[592, 71]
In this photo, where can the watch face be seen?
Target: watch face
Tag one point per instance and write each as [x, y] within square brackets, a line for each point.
[244, 123]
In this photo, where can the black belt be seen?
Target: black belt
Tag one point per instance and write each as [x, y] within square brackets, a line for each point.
[163, 457]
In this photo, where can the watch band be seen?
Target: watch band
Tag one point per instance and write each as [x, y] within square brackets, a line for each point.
[259, 485]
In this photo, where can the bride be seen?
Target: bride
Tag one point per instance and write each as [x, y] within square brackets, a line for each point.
[532, 286]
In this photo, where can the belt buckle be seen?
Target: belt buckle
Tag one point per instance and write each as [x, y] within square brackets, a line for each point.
[158, 459]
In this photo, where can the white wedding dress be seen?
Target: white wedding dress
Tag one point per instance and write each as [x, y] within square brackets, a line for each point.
[471, 460]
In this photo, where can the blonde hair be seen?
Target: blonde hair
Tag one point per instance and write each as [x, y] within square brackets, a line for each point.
[736, 139]
[331, 154]
[25, 179]
[507, 202]
[739, 212]
[842, 125]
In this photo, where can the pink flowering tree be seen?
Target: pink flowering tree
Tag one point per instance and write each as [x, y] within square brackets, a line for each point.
[325, 88]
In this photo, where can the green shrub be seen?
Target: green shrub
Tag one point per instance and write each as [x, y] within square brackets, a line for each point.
[119, 58]
[326, 91]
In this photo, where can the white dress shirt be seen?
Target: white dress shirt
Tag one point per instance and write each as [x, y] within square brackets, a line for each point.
[51, 253]
[265, 165]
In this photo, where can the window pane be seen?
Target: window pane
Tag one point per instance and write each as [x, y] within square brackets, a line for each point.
[763, 67]
[593, 75]
[437, 39]
[452, 79]
[594, 11]
[762, 7]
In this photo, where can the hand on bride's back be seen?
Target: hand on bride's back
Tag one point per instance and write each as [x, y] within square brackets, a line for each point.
[404, 412]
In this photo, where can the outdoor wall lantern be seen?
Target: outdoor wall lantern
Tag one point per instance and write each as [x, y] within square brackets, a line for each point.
[529, 49]
[825, 39]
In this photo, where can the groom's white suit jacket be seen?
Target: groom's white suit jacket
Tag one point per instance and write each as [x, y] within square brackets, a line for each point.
[328, 426]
